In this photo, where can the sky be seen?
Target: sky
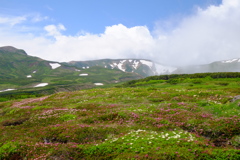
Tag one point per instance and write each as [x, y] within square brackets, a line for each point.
[170, 32]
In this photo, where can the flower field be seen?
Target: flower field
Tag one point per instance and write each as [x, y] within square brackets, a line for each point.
[157, 119]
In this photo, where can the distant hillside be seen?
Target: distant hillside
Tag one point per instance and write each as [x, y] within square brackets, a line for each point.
[140, 66]
[147, 68]
[21, 72]
[232, 65]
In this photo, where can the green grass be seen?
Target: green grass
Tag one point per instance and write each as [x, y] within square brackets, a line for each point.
[156, 119]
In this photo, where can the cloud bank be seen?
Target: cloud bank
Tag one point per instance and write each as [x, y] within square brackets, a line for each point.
[210, 34]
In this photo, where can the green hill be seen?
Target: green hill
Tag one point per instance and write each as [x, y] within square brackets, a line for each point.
[20, 73]
[179, 117]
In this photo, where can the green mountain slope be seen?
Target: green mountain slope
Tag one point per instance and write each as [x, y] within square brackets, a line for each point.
[23, 73]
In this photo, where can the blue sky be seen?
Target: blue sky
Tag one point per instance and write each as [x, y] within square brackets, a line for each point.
[94, 15]
[93, 29]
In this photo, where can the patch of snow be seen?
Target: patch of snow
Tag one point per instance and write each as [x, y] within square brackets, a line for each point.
[238, 60]
[29, 76]
[130, 60]
[148, 63]
[77, 70]
[98, 84]
[135, 64]
[83, 74]
[112, 66]
[41, 85]
[164, 69]
[120, 65]
[105, 66]
[229, 61]
[54, 65]
[83, 67]
[7, 90]
[87, 66]
[34, 71]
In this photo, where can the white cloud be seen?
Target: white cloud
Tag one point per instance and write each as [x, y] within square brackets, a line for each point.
[12, 20]
[117, 41]
[231, 2]
[54, 30]
[209, 35]
[38, 18]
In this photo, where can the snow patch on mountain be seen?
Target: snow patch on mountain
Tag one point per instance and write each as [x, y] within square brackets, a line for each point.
[140, 66]
[54, 65]
[98, 84]
[34, 71]
[148, 63]
[135, 64]
[231, 60]
[156, 68]
[83, 74]
[120, 65]
[41, 85]
[29, 76]
[7, 90]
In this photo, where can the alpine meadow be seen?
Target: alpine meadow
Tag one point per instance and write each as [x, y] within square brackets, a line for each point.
[190, 116]
[120, 80]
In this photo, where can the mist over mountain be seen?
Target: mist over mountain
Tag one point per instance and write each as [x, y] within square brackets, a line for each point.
[19, 71]
[232, 65]
[142, 67]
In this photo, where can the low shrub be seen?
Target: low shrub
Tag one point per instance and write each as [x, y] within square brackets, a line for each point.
[9, 150]
[14, 122]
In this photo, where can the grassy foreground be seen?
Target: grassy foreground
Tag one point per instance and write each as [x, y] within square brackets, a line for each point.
[156, 119]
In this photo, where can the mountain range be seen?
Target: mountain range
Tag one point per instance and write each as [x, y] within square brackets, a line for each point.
[232, 65]
[147, 68]
[19, 71]
[142, 67]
